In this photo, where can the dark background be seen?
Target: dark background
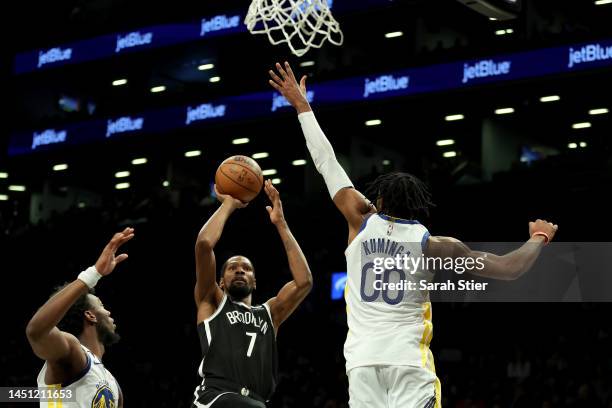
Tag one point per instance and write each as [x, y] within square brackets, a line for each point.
[57, 227]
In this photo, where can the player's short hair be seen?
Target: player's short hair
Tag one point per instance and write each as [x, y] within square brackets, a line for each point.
[403, 195]
[72, 322]
[222, 271]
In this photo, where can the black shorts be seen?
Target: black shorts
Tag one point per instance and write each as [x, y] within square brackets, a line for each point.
[223, 399]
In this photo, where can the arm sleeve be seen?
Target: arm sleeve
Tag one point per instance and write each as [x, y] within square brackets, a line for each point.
[323, 155]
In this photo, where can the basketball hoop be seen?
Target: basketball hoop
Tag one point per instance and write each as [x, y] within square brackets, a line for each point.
[302, 24]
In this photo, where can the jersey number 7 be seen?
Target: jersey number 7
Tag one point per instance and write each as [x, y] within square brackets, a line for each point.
[253, 336]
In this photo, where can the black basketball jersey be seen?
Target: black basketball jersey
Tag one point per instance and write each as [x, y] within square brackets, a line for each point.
[239, 346]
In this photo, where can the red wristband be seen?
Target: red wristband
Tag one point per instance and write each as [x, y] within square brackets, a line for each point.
[543, 234]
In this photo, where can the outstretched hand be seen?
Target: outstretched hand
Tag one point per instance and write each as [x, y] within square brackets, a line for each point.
[287, 85]
[276, 210]
[107, 261]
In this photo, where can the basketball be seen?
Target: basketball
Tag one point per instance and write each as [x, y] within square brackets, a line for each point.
[240, 177]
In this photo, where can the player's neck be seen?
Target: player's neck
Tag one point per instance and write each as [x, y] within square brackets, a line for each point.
[246, 300]
[89, 338]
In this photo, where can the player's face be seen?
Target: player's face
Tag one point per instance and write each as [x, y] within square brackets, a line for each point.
[105, 327]
[238, 277]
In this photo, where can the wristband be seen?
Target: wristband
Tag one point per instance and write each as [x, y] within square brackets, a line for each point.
[90, 276]
[542, 234]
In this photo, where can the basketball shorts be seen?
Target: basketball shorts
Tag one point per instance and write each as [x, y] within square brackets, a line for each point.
[224, 399]
[393, 387]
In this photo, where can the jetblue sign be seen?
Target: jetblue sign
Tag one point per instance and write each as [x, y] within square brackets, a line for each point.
[203, 112]
[385, 83]
[279, 101]
[133, 39]
[589, 53]
[47, 137]
[122, 125]
[485, 69]
[218, 23]
[54, 55]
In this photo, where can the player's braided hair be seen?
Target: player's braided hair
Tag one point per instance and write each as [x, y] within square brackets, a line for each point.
[73, 319]
[403, 195]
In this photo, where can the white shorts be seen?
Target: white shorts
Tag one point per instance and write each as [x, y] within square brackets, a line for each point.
[393, 387]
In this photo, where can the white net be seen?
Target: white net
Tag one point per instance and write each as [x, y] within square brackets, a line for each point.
[302, 24]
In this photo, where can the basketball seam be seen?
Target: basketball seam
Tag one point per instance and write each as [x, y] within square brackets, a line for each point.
[245, 187]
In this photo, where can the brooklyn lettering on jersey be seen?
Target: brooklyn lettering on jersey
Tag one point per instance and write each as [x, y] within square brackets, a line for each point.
[382, 246]
[248, 318]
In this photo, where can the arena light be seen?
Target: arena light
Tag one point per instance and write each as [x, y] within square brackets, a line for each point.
[583, 144]
[449, 154]
[119, 82]
[445, 142]
[214, 79]
[60, 167]
[81, 204]
[158, 89]
[500, 32]
[3, 175]
[394, 34]
[572, 145]
[166, 183]
[581, 125]
[206, 67]
[601, 111]
[602, 2]
[299, 162]
[269, 172]
[140, 160]
[550, 98]
[122, 186]
[3, 197]
[373, 122]
[122, 174]
[193, 153]
[386, 162]
[504, 111]
[276, 181]
[16, 187]
[509, 31]
[261, 155]
[498, 9]
[305, 64]
[242, 140]
[453, 118]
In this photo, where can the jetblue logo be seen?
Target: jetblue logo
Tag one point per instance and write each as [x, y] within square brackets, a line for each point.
[54, 55]
[133, 39]
[203, 112]
[589, 53]
[47, 137]
[385, 83]
[122, 125]
[218, 23]
[485, 69]
[279, 101]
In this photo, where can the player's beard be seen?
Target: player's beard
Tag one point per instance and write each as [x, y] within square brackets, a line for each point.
[106, 335]
[239, 292]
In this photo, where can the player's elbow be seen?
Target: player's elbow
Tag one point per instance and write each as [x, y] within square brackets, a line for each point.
[33, 331]
[203, 243]
[305, 284]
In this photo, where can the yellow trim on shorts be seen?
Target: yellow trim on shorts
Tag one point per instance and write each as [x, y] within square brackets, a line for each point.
[427, 334]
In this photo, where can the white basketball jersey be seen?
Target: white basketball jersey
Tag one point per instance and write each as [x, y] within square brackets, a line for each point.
[387, 327]
[94, 387]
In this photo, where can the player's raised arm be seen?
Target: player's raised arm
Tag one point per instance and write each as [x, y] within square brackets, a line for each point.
[353, 205]
[505, 267]
[206, 288]
[46, 340]
[294, 292]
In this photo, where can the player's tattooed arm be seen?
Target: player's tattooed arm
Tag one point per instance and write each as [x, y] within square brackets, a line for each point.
[46, 340]
[294, 292]
[510, 266]
[206, 288]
